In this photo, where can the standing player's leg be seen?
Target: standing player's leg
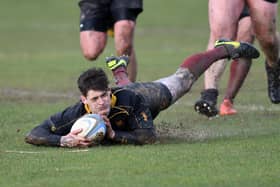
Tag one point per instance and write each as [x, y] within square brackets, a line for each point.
[125, 13]
[264, 18]
[223, 20]
[124, 37]
[93, 36]
[92, 43]
[239, 68]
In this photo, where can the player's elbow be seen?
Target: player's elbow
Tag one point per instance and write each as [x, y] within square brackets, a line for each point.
[32, 139]
[146, 136]
[29, 138]
[35, 139]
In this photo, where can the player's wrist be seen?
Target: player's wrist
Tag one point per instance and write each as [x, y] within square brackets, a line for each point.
[111, 134]
[62, 142]
[66, 141]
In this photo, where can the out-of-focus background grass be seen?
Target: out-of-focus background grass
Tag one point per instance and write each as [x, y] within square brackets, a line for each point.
[40, 60]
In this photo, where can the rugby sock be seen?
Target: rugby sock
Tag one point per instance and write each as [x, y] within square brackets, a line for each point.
[238, 72]
[198, 63]
[121, 77]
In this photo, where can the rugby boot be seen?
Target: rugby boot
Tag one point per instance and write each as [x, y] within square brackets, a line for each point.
[118, 66]
[238, 49]
[206, 105]
[226, 108]
[273, 82]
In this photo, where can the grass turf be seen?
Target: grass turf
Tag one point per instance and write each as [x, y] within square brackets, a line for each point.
[40, 60]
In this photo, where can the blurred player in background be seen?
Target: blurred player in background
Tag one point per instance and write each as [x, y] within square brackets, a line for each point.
[263, 15]
[100, 18]
[239, 69]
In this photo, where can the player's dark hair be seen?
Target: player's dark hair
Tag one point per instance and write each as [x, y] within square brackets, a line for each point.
[93, 79]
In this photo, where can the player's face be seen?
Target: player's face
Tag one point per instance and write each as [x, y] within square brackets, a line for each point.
[98, 101]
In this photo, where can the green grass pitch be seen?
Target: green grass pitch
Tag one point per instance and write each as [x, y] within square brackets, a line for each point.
[40, 60]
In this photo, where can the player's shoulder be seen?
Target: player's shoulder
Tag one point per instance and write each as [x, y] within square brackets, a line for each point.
[126, 96]
[119, 91]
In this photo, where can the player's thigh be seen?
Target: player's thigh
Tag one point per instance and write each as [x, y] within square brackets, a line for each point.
[223, 17]
[245, 30]
[93, 42]
[264, 16]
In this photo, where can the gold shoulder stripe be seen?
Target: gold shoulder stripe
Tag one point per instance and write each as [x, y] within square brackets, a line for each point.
[113, 100]
[87, 108]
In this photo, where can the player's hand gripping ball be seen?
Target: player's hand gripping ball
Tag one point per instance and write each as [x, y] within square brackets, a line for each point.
[93, 126]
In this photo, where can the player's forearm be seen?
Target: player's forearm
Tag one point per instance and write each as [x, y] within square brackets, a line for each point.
[138, 137]
[40, 136]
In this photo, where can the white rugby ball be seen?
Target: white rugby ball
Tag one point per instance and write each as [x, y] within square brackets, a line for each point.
[93, 126]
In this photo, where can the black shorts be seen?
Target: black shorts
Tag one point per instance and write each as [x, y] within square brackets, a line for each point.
[271, 1]
[245, 12]
[100, 15]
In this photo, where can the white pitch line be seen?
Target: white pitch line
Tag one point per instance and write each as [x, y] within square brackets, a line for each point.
[22, 152]
[38, 152]
[77, 151]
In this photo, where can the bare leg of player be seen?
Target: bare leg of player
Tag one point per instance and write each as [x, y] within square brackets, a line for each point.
[239, 68]
[264, 18]
[124, 35]
[223, 18]
[92, 43]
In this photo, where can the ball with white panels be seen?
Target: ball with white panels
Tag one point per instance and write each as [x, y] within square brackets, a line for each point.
[93, 127]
